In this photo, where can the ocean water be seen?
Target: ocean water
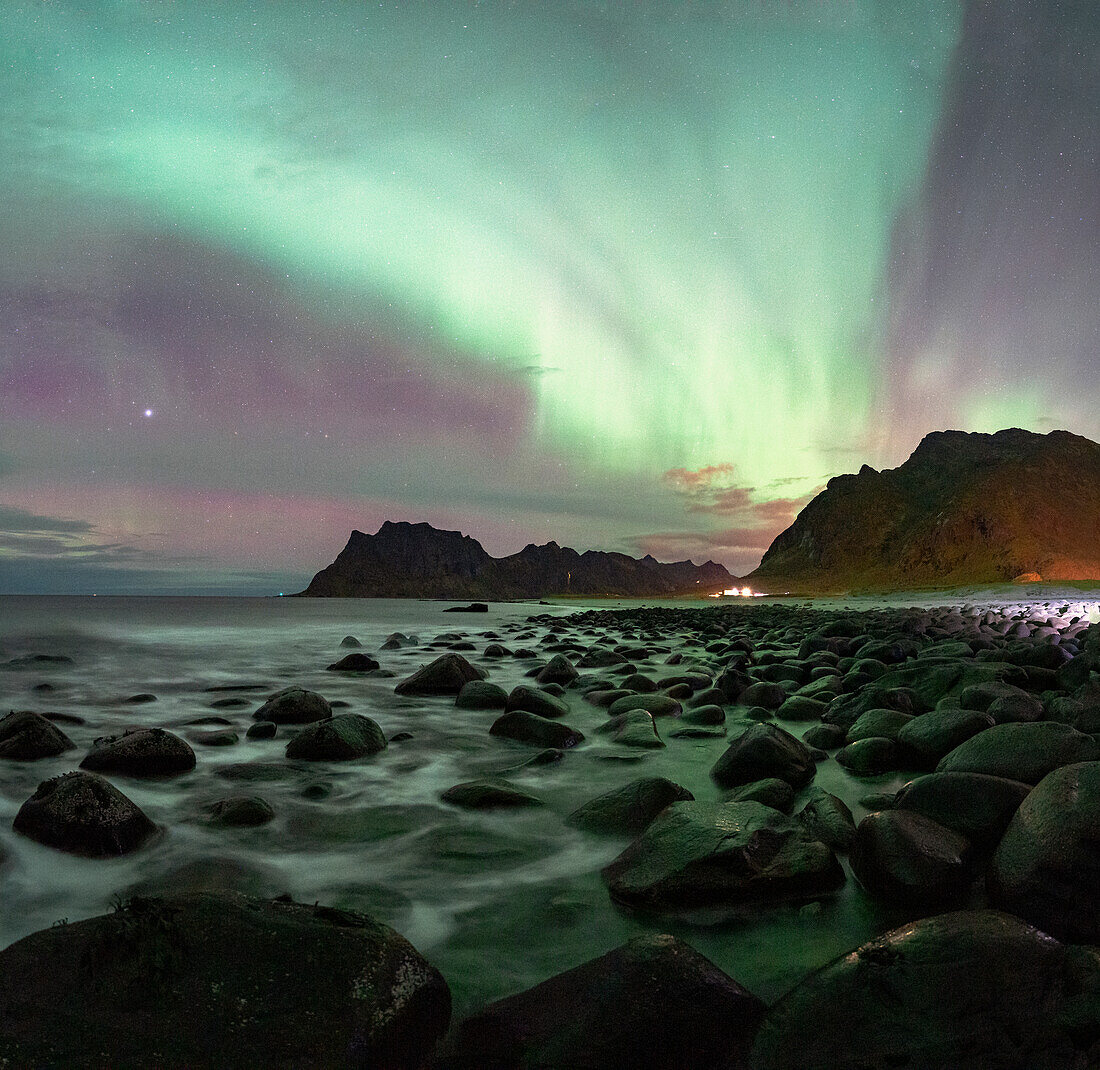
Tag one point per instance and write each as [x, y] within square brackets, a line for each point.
[496, 900]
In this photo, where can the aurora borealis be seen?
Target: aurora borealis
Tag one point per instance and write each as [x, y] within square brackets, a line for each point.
[633, 276]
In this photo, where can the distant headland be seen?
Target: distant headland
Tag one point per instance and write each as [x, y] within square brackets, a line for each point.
[419, 561]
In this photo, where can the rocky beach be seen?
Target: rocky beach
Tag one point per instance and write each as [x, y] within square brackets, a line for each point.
[737, 835]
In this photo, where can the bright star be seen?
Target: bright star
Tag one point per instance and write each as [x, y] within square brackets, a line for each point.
[148, 412]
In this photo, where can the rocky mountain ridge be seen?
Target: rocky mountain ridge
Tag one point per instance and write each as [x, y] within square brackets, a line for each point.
[403, 560]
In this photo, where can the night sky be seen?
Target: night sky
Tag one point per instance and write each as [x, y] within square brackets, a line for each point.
[631, 276]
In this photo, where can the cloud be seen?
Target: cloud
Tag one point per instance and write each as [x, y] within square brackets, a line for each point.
[15, 521]
[740, 546]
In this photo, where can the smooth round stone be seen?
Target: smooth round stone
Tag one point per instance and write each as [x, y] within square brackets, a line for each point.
[26, 736]
[869, 757]
[445, 676]
[140, 752]
[635, 728]
[764, 750]
[526, 727]
[262, 730]
[657, 705]
[481, 695]
[294, 705]
[777, 794]
[356, 662]
[241, 811]
[535, 700]
[903, 857]
[341, 738]
[488, 795]
[83, 814]
[629, 809]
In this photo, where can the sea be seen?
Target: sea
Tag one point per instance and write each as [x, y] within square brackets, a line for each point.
[496, 900]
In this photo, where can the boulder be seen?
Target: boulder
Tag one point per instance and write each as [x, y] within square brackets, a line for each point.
[338, 739]
[26, 736]
[294, 705]
[629, 809]
[971, 989]
[539, 731]
[262, 730]
[481, 695]
[219, 980]
[535, 700]
[709, 714]
[828, 819]
[722, 860]
[83, 814]
[656, 704]
[635, 728]
[488, 795]
[763, 693]
[445, 676]
[140, 752]
[910, 860]
[241, 811]
[975, 805]
[825, 736]
[931, 735]
[771, 791]
[601, 1015]
[801, 708]
[1047, 865]
[881, 724]
[558, 670]
[354, 663]
[764, 750]
[869, 757]
[1025, 752]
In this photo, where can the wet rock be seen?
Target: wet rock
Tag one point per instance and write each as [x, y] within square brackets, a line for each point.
[800, 708]
[883, 724]
[535, 700]
[828, 819]
[932, 735]
[599, 658]
[635, 728]
[357, 662]
[317, 986]
[869, 757]
[473, 607]
[223, 737]
[640, 684]
[601, 1015]
[1025, 752]
[481, 695]
[825, 736]
[1047, 864]
[488, 795]
[350, 641]
[629, 809]
[973, 989]
[262, 730]
[656, 704]
[294, 705]
[762, 751]
[539, 731]
[763, 693]
[140, 752]
[975, 805]
[241, 811]
[445, 676]
[910, 860]
[399, 641]
[139, 699]
[26, 736]
[606, 697]
[83, 814]
[724, 859]
[338, 739]
[777, 794]
[704, 715]
[558, 670]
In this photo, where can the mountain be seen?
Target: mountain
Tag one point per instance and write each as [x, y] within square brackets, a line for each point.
[963, 509]
[418, 561]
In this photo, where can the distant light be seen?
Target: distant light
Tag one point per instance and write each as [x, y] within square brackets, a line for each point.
[746, 592]
[148, 412]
